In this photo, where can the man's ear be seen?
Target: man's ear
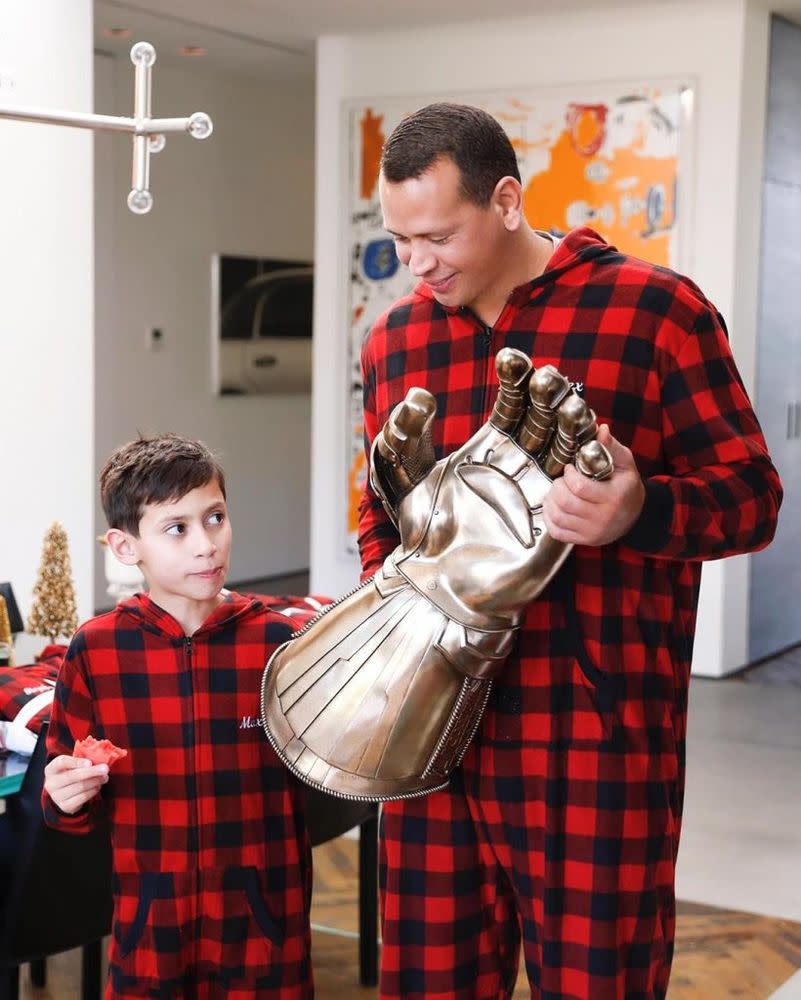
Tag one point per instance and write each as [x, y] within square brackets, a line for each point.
[508, 201]
[123, 546]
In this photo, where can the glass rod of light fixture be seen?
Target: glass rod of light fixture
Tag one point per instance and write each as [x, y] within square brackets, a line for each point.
[148, 133]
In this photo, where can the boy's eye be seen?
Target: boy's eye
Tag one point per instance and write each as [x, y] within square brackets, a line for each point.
[217, 517]
[176, 529]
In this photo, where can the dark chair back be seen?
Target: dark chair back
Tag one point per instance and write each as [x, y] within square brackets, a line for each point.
[57, 886]
[329, 816]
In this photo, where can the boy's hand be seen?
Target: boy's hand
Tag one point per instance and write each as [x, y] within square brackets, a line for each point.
[72, 781]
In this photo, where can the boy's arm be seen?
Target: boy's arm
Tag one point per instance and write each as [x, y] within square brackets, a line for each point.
[721, 495]
[69, 780]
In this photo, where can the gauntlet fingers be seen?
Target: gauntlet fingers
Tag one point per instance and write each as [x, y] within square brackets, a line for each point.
[558, 428]
[404, 442]
[547, 389]
[594, 460]
[514, 369]
[575, 424]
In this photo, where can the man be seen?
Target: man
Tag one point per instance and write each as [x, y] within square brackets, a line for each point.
[564, 819]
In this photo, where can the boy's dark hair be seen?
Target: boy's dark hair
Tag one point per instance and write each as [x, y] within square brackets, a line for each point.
[470, 137]
[153, 470]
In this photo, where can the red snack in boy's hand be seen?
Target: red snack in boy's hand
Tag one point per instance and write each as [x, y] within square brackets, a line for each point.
[98, 751]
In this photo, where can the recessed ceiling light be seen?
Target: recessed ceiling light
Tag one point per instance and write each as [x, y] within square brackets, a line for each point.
[117, 32]
[192, 50]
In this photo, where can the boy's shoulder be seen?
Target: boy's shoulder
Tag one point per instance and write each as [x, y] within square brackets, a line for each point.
[283, 613]
[262, 613]
[101, 631]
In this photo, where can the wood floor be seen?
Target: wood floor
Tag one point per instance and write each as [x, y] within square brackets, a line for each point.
[720, 955]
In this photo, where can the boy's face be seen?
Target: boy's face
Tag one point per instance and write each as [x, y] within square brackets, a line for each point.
[183, 548]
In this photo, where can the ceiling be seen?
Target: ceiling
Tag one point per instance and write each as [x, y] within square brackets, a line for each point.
[274, 39]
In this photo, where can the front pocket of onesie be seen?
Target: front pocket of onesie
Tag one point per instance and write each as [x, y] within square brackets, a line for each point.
[240, 935]
[153, 929]
[557, 705]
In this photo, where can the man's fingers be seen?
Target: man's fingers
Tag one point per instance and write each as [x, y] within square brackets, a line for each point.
[583, 487]
[561, 525]
[580, 510]
[620, 454]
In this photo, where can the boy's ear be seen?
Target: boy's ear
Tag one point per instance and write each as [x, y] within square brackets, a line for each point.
[122, 545]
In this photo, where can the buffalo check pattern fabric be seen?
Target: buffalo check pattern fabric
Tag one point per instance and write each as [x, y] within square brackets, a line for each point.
[26, 693]
[212, 865]
[568, 809]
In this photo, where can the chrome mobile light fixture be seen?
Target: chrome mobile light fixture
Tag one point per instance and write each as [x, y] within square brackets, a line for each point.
[148, 133]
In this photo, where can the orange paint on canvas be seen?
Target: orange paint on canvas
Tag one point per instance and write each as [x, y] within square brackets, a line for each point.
[563, 196]
[372, 145]
[356, 480]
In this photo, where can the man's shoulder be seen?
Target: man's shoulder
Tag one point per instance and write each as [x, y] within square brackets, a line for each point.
[659, 287]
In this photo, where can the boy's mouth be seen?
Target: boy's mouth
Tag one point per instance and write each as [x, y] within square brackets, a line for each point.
[209, 574]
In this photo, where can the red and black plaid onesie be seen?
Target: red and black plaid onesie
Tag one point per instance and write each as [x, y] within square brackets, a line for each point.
[211, 862]
[564, 821]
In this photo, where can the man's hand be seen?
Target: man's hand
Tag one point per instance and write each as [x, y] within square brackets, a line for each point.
[584, 511]
[72, 781]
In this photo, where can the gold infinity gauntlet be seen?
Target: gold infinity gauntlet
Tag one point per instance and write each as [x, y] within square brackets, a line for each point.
[379, 696]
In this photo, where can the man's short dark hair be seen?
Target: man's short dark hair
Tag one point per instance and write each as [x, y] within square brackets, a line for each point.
[470, 137]
[159, 469]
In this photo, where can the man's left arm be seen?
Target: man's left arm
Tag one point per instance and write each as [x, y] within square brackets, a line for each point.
[720, 494]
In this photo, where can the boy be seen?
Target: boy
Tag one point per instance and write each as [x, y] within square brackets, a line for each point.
[212, 866]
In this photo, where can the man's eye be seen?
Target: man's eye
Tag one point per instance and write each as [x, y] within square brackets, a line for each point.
[176, 529]
[440, 240]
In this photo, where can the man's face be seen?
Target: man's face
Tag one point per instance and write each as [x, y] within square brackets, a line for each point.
[450, 243]
[184, 547]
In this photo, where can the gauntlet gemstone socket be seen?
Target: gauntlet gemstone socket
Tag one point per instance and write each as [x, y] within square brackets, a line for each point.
[379, 696]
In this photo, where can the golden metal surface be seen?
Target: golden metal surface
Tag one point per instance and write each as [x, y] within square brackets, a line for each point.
[380, 697]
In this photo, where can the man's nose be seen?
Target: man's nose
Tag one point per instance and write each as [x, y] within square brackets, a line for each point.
[421, 261]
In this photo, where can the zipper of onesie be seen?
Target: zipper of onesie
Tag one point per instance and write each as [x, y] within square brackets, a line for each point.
[188, 650]
[487, 344]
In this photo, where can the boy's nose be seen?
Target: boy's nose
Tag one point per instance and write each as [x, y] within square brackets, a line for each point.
[206, 545]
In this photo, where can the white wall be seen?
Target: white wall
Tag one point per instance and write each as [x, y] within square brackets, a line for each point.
[46, 306]
[247, 190]
[635, 43]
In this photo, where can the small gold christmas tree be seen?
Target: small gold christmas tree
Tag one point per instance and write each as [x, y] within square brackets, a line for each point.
[54, 611]
[5, 629]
